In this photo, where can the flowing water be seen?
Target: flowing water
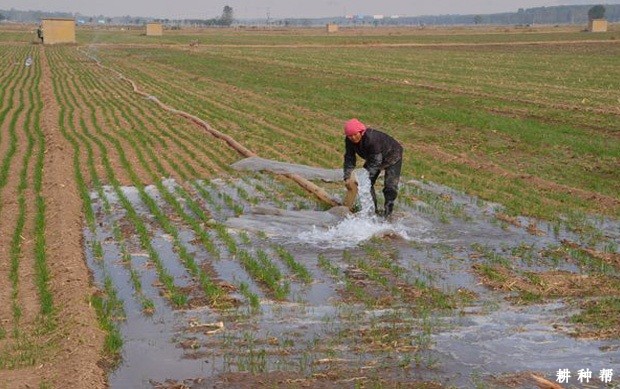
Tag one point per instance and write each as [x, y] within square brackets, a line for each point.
[357, 227]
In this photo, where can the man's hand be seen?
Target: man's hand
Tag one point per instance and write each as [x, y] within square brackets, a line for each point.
[349, 199]
[350, 183]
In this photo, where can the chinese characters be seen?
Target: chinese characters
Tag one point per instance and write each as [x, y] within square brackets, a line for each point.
[584, 375]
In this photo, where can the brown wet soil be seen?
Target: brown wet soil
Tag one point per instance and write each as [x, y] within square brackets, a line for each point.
[336, 377]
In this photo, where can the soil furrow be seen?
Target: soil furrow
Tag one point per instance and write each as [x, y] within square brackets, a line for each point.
[10, 105]
[8, 82]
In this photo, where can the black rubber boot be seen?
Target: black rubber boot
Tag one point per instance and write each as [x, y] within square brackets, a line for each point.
[374, 198]
[389, 208]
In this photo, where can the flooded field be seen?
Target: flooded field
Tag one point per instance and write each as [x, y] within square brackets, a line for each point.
[450, 292]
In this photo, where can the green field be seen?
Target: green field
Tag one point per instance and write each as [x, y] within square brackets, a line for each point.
[512, 111]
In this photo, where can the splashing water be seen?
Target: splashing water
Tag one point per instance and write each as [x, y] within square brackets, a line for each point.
[358, 227]
[365, 198]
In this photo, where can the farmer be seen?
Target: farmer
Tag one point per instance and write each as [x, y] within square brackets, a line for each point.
[381, 152]
[40, 33]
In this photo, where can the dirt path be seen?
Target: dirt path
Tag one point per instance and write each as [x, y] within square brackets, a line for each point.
[80, 340]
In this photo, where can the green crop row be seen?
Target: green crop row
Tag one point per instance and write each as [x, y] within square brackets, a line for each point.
[42, 275]
[264, 271]
[16, 242]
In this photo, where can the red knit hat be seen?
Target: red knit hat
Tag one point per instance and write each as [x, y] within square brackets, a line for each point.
[353, 126]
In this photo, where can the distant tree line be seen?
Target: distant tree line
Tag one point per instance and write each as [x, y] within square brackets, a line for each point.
[14, 15]
[31, 16]
[565, 14]
[226, 20]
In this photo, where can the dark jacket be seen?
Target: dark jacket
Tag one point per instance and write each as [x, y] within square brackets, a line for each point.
[378, 149]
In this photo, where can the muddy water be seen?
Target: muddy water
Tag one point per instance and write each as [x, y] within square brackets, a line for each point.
[315, 329]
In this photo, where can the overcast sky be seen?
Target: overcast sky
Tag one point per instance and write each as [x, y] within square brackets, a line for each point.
[283, 8]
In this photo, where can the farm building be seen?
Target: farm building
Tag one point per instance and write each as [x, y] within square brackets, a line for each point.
[332, 27]
[58, 30]
[154, 29]
[597, 25]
